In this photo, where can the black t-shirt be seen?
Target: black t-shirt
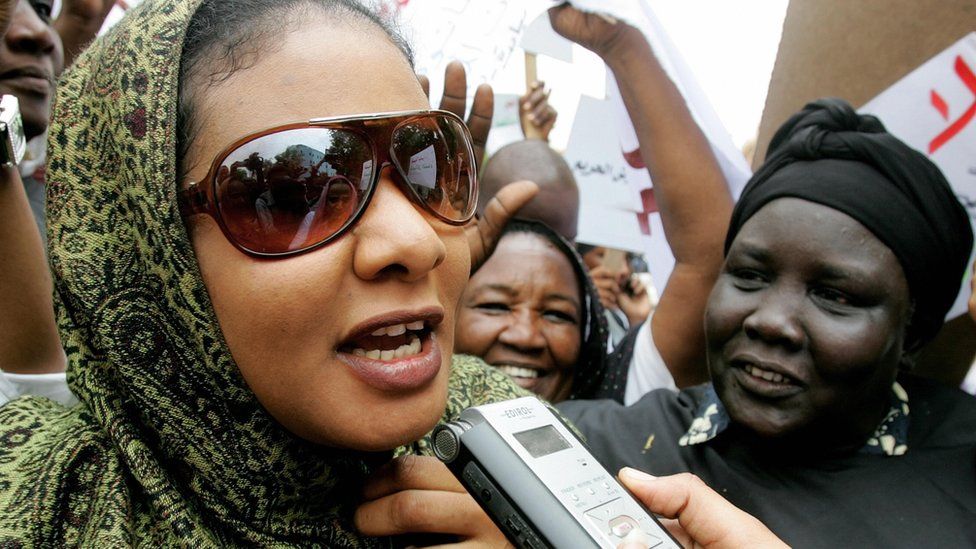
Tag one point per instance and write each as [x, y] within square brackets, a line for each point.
[924, 498]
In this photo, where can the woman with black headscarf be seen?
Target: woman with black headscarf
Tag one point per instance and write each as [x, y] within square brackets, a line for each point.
[531, 310]
[844, 253]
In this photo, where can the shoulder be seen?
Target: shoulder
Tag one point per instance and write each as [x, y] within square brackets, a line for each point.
[624, 435]
[656, 406]
[44, 448]
[473, 383]
[939, 415]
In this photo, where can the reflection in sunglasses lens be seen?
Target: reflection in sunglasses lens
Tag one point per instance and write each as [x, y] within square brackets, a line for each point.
[433, 158]
[292, 189]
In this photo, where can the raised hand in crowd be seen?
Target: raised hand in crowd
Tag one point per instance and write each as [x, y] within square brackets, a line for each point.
[696, 515]
[536, 115]
[690, 189]
[455, 99]
[79, 23]
[619, 290]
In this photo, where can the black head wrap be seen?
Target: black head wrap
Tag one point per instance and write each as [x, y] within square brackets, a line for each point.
[829, 154]
[589, 375]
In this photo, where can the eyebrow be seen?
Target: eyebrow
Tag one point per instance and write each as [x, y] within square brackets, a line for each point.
[503, 288]
[563, 297]
[826, 271]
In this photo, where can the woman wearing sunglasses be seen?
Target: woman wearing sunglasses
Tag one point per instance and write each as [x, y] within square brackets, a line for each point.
[259, 242]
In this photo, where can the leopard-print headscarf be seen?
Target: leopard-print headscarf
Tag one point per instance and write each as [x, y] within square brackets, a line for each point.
[169, 447]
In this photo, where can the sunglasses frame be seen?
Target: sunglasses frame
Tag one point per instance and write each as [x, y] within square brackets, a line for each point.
[200, 197]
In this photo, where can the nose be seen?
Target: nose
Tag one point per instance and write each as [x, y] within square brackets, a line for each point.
[28, 33]
[776, 320]
[394, 237]
[522, 333]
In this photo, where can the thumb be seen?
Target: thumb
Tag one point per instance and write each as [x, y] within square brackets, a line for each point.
[483, 235]
[705, 516]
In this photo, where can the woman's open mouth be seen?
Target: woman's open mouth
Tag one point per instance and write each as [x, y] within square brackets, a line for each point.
[765, 381]
[398, 352]
[525, 377]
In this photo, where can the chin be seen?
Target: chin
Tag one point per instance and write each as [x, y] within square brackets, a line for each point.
[379, 435]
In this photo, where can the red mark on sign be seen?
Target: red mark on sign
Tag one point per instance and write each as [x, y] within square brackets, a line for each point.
[634, 159]
[650, 206]
[939, 104]
[969, 79]
[648, 202]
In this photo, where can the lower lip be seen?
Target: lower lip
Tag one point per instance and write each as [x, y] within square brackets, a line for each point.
[764, 388]
[29, 83]
[406, 374]
[526, 382]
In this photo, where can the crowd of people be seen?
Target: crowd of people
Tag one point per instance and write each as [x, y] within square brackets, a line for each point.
[271, 268]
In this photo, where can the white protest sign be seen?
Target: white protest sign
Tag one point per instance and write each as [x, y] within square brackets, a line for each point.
[933, 110]
[611, 211]
[423, 168]
[593, 155]
[481, 35]
[540, 39]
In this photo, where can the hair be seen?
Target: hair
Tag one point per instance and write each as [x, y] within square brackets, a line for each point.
[226, 36]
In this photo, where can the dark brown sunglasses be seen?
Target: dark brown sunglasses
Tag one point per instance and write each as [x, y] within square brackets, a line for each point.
[292, 188]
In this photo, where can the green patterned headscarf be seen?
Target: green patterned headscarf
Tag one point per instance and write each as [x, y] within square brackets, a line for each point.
[169, 446]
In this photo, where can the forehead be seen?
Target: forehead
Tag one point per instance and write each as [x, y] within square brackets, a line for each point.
[799, 233]
[319, 67]
[527, 261]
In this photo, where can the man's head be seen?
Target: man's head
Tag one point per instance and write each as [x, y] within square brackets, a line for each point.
[557, 203]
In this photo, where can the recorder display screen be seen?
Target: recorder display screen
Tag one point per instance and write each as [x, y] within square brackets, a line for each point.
[542, 441]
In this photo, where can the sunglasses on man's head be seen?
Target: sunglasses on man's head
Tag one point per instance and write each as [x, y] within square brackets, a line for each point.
[293, 188]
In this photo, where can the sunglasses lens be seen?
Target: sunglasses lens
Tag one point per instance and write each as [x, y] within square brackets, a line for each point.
[433, 154]
[293, 189]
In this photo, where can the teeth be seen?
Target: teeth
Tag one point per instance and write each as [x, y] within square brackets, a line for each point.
[765, 374]
[399, 329]
[516, 371]
[409, 349]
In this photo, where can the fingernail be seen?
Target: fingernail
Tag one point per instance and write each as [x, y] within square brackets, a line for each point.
[634, 474]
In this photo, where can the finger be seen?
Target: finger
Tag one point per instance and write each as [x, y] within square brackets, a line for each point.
[426, 511]
[541, 113]
[455, 89]
[410, 473]
[506, 203]
[534, 98]
[479, 123]
[425, 84]
[707, 517]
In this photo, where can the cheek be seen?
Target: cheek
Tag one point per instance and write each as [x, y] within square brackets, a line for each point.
[452, 275]
[725, 313]
[564, 345]
[477, 332]
[851, 348]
